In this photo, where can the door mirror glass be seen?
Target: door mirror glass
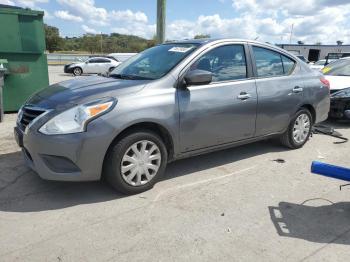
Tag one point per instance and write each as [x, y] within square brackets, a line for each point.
[198, 77]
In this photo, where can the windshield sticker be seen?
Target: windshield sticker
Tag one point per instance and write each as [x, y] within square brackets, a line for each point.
[326, 69]
[180, 49]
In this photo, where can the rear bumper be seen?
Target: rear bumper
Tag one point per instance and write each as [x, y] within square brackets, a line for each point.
[340, 108]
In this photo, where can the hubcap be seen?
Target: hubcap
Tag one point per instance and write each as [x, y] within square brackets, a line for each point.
[77, 71]
[301, 128]
[140, 163]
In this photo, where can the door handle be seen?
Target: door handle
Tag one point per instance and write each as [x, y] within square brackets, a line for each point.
[297, 89]
[244, 96]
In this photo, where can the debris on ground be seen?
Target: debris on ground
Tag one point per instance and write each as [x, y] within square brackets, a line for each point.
[279, 160]
[328, 130]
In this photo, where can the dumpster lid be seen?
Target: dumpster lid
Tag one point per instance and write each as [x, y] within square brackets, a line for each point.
[9, 9]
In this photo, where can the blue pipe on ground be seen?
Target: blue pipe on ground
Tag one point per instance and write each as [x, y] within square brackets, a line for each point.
[328, 170]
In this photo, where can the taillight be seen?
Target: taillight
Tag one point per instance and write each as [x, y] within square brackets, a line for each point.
[325, 82]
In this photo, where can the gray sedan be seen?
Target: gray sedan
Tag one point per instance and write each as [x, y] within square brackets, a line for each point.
[169, 102]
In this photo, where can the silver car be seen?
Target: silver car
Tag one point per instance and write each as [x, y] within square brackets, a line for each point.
[169, 102]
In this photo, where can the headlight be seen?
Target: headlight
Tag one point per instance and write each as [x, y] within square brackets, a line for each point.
[342, 93]
[75, 119]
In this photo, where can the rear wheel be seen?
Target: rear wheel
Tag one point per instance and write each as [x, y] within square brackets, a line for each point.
[136, 162]
[77, 71]
[298, 131]
[111, 69]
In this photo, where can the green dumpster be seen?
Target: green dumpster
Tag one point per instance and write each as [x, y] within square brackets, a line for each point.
[22, 43]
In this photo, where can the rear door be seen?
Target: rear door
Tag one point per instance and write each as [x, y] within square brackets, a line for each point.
[105, 64]
[92, 66]
[224, 110]
[279, 89]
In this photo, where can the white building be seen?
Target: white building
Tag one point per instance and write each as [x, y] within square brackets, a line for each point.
[316, 52]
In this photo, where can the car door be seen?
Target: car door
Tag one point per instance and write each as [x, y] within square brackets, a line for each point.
[223, 111]
[92, 66]
[279, 89]
[105, 64]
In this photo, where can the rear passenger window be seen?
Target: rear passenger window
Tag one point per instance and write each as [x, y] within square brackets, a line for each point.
[225, 63]
[268, 63]
[288, 65]
[103, 60]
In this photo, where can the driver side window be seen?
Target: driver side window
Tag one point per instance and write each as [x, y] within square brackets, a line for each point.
[225, 63]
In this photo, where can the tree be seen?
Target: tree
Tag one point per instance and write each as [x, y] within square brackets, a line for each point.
[52, 37]
[339, 42]
[201, 36]
[300, 42]
[91, 43]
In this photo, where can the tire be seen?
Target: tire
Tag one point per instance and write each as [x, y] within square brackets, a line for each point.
[288, 139]
[127, 182]
[111, 69]
[77, 71]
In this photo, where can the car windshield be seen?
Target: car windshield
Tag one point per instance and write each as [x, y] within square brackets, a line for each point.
[154, 62]
[338, 68]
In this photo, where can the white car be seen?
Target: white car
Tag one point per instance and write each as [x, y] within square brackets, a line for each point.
[338, 76]
[122, 56]
[321, 64]
[94, 65]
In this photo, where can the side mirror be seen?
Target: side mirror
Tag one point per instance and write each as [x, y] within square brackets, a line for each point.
[198, 77]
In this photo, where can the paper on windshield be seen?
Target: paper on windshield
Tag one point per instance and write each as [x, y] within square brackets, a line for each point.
[180, 49]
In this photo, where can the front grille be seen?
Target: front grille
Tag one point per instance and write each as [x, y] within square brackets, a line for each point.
[28, 115]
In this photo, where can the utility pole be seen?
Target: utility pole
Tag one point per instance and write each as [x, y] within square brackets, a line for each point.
[161, 9]
[291, 34]
[101, 43]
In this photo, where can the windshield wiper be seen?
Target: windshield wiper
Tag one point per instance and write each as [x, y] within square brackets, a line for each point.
[130, 77]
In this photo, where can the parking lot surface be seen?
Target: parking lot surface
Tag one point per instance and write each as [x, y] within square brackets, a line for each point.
[56, 74]
[232, 205]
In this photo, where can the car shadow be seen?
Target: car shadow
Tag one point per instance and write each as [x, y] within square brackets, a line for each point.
[222, 157]
[22, 190]
[328, 223]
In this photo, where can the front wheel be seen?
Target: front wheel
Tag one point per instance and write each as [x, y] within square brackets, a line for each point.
[136, 162]
[77, 71]
[298, 131]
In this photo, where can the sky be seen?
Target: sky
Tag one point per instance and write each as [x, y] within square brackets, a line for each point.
[313, 21]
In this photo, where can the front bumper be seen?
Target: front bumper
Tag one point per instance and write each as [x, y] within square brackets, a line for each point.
[68, 70]
[340, 108]
[71, 157]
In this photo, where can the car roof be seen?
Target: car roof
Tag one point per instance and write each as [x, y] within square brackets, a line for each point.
[99, 57]
[204, 41]
[211, 40]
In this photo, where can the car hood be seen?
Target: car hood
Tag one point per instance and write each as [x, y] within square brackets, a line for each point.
[83, 89]
[338, 82]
